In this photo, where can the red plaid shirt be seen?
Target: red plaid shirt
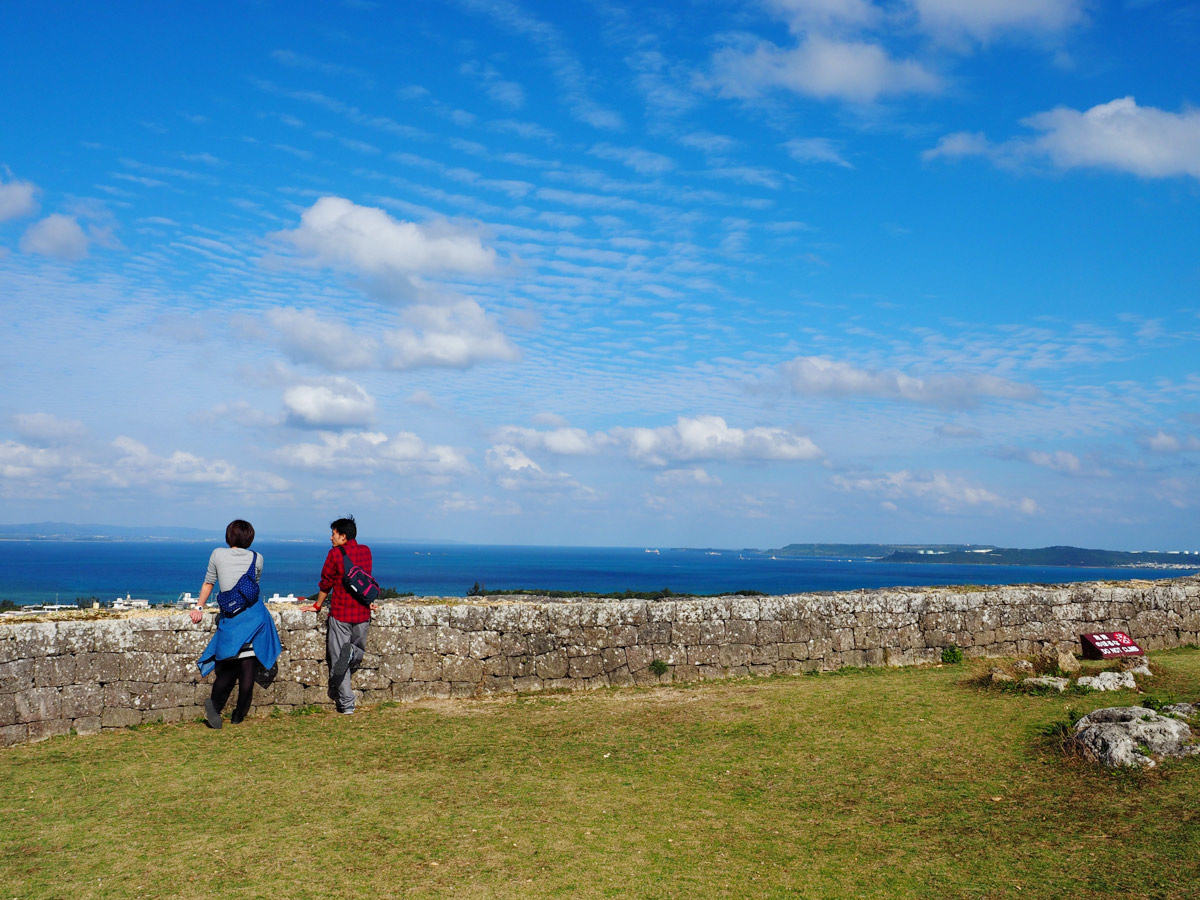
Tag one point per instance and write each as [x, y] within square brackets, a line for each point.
[342, 606]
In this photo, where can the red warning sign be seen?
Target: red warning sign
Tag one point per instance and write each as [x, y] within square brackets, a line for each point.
[1108, 645]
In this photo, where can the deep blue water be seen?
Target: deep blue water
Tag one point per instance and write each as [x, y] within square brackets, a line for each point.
[41, 571]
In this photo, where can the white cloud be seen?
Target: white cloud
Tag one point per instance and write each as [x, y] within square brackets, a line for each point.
[563, 440]
[947, 493]
[28, 471]
[984, 19]
[954, 430]
[1161, 442]
[514, 471]
[825, 15]
[644, 162]
[824, 377]
[1058, 461]
[17, 199]
[690, 438]
[56, 235]
[687, 477]
[366, 241]
[333, 403]
[1119, 135]
[456, 336]
[367, 451]
[305, 337]
[815, 150]
[44, 428]
[821, 67]
[710, 437]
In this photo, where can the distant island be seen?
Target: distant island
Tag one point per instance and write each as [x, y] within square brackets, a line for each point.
[988, 555]
[1053, 556]
[866, 551]
[69, 531]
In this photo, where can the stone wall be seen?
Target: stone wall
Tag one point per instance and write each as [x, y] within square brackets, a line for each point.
[85, 676]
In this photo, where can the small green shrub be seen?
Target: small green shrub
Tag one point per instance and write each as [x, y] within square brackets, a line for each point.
[952, 655]
[658, 667]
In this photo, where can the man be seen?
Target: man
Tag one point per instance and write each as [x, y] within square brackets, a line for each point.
[346, 631]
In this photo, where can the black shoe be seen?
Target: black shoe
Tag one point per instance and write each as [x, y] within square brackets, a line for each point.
[237, 718]
[212, 715]
[341, 664]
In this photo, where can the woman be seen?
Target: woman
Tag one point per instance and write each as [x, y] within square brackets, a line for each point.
[241, 641]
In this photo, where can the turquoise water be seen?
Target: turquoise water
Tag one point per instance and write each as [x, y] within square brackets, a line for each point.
[45, 571]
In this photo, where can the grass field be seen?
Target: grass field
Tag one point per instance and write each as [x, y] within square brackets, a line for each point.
[870, 783]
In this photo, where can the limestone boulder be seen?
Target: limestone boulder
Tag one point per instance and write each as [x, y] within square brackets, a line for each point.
[1132, 736]
[1109, 681]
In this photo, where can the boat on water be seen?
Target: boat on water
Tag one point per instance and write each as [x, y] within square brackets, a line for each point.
[651, 551]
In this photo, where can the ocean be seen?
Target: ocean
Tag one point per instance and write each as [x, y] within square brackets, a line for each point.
[36, 572]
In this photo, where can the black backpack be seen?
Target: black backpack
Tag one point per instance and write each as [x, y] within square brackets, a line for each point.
[358, 581]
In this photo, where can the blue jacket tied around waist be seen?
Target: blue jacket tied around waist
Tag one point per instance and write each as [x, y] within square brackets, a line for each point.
[252, 626]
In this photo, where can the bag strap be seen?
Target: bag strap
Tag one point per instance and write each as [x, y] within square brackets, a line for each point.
[253, 565]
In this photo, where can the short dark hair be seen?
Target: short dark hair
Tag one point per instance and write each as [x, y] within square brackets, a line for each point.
[345, 527]
[239, 533]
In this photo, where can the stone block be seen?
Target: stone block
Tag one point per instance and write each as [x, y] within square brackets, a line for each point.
[540, 644]
[687, 633]
[514, 644]
[766, 655]
[86, 725]
[462, 669]
[638, 658]
[309, 644]
[127, 695]
[115, 636]
[612, 658]
[741, 631]
[37, 704]
[167, 695]
[501, 684]
[422, 638]
[8, 709]
[98, 668]
[625, 634]
[485, 644]
[527, 683]
[551, 665]
[654, 633]
[452, 642]
[704, 655]
[397, 667]
[16, 675]
[427, 666]
[770, 632]
[81, 700]
[74, 637]
[120, 717]
[48, 728]
[585, 667]
[11, 735]
[712, 633]
[734, 655]
[140, 666]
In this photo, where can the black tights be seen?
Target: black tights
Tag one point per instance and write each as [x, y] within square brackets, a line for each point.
[230, 671]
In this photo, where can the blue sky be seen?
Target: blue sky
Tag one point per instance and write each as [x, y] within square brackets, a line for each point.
[690, 273]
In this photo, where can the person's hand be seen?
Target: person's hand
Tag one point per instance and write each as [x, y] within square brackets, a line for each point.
[374, 606]
[196, 615]
[309, 607]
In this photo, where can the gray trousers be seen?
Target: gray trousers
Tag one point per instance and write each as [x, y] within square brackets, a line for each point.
[337, 635]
